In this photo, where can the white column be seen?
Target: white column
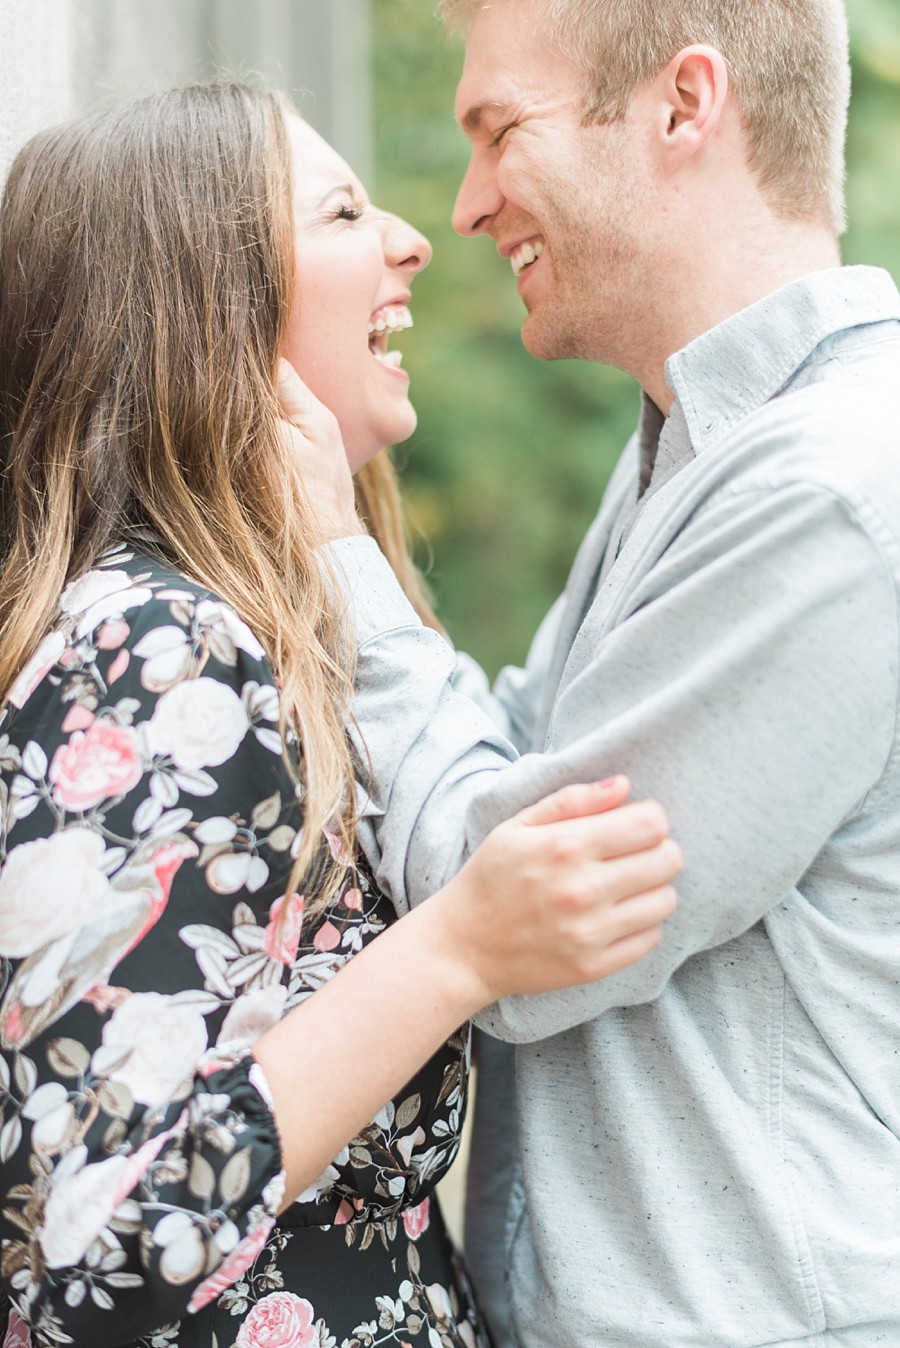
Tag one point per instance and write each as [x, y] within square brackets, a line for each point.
[35, 86]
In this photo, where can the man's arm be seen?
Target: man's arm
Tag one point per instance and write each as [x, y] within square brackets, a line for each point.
[514, 701]
[752, 689]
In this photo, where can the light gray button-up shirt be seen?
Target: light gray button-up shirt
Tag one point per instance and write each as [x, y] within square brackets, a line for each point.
[709, 1143]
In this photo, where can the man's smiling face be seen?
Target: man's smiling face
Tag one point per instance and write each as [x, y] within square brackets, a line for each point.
[563, 201]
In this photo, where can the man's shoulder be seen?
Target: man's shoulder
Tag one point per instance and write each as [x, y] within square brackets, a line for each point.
[834, 428]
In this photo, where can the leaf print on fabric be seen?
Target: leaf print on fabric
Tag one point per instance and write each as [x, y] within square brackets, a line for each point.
[252, 1014]
[230, 631]
[168, 658]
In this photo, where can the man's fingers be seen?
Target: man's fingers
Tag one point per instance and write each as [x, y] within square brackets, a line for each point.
[576, 801]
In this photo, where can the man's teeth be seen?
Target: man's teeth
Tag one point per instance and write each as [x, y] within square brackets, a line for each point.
[525, 254]
[390, 320]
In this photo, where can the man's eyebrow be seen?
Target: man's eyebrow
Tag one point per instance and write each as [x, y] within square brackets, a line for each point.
[472, 120]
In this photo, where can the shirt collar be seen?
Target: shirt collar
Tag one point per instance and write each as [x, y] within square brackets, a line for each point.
[743, 362]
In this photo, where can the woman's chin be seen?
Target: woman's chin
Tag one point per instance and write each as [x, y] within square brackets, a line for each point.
[359, 455]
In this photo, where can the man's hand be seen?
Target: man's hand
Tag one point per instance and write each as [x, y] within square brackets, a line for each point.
[312, 435]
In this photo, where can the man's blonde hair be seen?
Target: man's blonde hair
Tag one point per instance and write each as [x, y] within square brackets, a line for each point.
[788, 63]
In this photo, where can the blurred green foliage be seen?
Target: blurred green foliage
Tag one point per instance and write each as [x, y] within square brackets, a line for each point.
[511, 456]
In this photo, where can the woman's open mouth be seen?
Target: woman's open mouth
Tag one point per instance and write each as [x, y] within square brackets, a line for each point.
[383, 324]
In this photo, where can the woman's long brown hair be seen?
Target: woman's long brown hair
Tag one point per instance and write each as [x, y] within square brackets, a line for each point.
[146, 274]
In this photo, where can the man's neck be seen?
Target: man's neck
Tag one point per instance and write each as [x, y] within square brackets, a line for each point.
[716, 284]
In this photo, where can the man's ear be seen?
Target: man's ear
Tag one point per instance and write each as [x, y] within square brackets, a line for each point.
[692, 90]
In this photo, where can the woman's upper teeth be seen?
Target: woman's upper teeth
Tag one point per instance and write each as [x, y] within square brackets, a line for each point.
[390, 320]
[525, 254]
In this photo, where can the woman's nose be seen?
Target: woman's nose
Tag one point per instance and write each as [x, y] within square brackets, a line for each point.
[406, 247]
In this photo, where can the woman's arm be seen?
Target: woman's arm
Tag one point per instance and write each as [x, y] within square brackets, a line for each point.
[557, 895]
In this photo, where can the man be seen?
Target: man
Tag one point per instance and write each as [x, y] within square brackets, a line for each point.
[708, 1144]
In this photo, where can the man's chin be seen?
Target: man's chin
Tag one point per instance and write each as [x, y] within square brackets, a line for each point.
[545, 341]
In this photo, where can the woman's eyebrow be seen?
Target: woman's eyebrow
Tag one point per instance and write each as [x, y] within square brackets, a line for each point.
[343, 189]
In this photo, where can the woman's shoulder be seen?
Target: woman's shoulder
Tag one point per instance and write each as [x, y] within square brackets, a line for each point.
[133, 606]
[126, 580]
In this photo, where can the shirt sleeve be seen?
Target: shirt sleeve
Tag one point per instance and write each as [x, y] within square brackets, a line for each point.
[751, 687]
[141, 1166]
[515, 701]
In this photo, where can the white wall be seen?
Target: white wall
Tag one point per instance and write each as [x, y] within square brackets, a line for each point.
[62, 56]
[35, 70]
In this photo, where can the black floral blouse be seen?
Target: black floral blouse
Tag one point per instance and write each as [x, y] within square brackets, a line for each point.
[148, 828]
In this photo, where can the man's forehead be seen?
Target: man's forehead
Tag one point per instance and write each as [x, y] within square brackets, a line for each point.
[509, 64]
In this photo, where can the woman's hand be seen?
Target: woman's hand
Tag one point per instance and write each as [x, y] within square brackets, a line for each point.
[565, 892]
[313, 437]
[568, 890]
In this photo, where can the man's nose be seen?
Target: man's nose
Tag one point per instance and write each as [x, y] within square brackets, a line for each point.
[479, 198]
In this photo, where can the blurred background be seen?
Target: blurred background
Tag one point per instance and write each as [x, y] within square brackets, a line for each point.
[511, 456]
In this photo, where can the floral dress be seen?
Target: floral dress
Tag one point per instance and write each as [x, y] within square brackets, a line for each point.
[147, 829]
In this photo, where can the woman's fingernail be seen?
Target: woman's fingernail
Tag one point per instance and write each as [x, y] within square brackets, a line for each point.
[609, 782]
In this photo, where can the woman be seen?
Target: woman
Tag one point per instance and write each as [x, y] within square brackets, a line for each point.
[178, 788]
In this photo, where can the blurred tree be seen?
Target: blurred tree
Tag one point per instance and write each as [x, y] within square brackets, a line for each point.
[511, 456]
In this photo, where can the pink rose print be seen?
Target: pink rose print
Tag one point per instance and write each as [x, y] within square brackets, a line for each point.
[228, 1272]
[18, 1335]
[415, 1220]
[283, 931]
[102, 761]
[280, 1320]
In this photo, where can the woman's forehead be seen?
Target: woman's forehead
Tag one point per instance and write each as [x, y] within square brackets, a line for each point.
[318, 168]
